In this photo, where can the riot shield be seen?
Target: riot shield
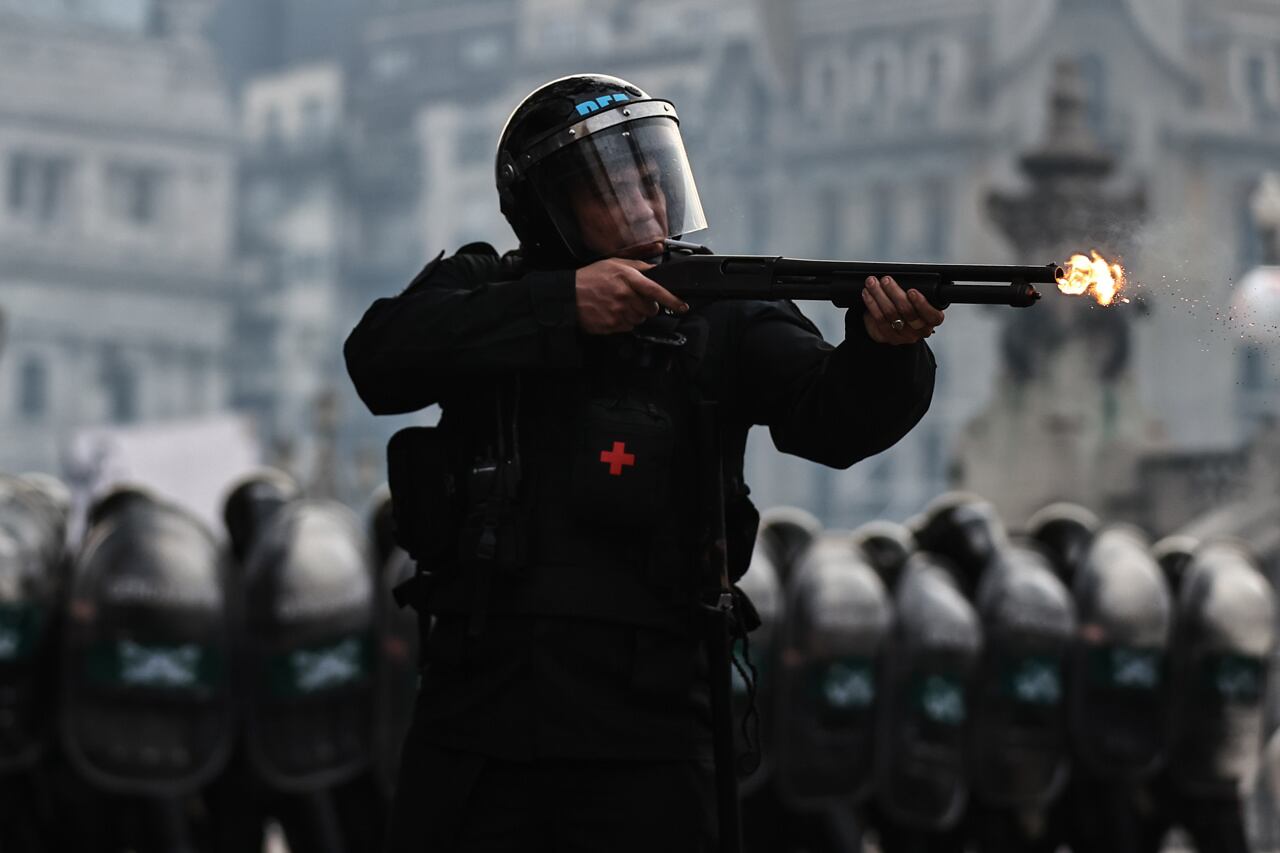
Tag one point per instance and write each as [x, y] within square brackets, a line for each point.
[36, 518]
[885, 545]
[308, 603]
[967, 531]
[1117, 705]
[397, 668]
[55, 492]
[32, 525]
[1019, 732]
[838, 619]
[146, 696]
[1269, 778]
[1222, 647]
[764, 589]
[785, 533]
[1064, 532]
[31, 554]
[921, 766]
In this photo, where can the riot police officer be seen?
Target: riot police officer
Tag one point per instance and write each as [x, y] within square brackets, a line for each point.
[145, 697]
[303, 593]
[887, 546]
[786, 532]
[32, 559]
[966, 530]
[1063, 532]
[1223, 642]
[924, 704]
[553, 512]
[1118, 696]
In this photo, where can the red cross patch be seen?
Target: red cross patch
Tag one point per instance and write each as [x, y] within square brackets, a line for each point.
[617, 458]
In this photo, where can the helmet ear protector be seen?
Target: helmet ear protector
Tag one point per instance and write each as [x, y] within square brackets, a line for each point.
[506, 170]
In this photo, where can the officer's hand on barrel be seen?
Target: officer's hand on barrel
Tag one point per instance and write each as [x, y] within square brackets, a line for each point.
[897, 317]
[614, 296]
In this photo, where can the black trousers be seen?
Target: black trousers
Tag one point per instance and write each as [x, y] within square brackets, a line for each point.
[459, 802]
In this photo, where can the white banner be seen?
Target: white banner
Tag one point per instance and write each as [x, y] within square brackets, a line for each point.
[188, 462]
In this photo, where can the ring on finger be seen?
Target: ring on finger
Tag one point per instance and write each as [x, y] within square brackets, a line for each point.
[897, 325]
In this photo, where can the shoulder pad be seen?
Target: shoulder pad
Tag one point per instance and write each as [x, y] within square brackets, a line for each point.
[474, 264]
[425, 275]
[478, 248]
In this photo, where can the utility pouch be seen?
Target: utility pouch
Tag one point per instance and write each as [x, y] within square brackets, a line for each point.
[424, 495]
[622, 462]
[493, 530]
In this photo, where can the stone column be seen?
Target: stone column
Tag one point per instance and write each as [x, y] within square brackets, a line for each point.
[1065, 423]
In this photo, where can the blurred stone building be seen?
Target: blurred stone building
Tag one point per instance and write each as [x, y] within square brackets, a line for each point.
[401, 167]
[364, 140]
[818, 128]
[294, 207]
[897, 121]
[117, 215]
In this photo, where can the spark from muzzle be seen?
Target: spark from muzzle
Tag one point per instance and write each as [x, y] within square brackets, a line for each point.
[1092, 275]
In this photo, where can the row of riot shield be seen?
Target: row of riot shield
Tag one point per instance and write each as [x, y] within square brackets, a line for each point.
[931, 679]
[953, 685]
[168, 645]
[215, 687]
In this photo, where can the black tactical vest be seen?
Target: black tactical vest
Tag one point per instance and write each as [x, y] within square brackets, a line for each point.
[566, 494]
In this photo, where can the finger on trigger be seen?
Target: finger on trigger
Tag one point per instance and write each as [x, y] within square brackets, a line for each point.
[931, 315]
[655, 292]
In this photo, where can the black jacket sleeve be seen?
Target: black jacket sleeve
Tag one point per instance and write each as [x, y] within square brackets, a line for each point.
[834, 405]
[454, 324]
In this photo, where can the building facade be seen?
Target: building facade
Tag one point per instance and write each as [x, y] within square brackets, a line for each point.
[293, 214]
[117, 215]
[881, 131]
[894, 123]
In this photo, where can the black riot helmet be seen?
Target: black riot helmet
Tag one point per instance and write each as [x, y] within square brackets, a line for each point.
[124, 497]
[588, 167]
[1174, 554]
[966, 530]
[252, 502]
[786, 533]
[1063, 531]
[887, 546]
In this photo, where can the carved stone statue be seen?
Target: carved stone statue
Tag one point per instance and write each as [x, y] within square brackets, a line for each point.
[1065, 423]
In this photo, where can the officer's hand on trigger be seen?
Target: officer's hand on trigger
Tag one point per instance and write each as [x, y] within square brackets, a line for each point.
[614, 296]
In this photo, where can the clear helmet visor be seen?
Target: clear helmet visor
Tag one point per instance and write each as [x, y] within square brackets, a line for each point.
[621, 191]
